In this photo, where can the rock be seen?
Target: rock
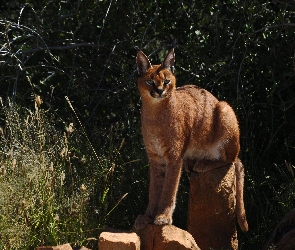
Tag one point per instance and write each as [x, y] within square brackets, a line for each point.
[118, 241]
[168, 237]
[60, 247]
[212, 209]
[283, 237]
[81, 248]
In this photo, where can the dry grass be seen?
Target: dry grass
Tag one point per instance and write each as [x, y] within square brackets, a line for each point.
[43, 196]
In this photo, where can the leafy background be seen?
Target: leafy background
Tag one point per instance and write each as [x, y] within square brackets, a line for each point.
[241, 51]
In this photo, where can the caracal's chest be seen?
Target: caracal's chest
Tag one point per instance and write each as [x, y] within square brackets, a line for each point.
[158, 136]
[163, 130]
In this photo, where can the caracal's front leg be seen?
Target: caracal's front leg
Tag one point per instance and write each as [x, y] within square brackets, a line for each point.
[157, 176]
[169, 191]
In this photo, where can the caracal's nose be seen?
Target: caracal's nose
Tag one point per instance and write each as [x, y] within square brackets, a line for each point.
[160, 91]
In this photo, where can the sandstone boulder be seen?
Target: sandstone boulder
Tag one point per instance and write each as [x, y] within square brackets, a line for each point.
[60, 247]
[166, 237]
[212, 209]
[81, 248]
[118, 241]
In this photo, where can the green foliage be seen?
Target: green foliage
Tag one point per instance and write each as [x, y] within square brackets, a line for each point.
[241, 51]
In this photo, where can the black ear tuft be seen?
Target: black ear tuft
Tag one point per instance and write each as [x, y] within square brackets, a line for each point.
[169, 60]
[143, 63]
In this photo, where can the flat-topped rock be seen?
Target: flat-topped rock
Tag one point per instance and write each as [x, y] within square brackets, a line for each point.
[154, 237]
[119, 241]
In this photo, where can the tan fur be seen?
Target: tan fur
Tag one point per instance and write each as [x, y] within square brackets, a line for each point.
[183, 126]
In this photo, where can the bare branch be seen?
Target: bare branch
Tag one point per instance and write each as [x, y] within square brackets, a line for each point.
[71, 46]
[275, 26]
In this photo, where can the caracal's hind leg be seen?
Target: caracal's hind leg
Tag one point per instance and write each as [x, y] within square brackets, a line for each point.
[224, 145]
[205, 165]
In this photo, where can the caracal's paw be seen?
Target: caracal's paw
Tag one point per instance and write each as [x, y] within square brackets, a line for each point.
[141, 221]
[163, 219]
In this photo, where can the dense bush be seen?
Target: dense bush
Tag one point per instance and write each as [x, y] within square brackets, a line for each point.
[241, 51]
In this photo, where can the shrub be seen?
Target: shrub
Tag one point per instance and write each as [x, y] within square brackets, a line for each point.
[45, 182]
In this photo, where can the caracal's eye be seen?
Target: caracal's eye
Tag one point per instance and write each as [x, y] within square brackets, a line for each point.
[150, 82]
[167, 81]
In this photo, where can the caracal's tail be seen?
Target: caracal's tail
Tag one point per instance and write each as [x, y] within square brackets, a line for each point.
[240, 208]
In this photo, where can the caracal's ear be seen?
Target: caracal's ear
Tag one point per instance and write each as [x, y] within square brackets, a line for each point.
[168, 62]
[143, 63]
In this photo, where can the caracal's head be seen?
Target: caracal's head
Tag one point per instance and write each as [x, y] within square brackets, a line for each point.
[156, 81]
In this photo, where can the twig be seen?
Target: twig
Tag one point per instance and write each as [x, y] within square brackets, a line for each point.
[71, 46]
[275, 26]
[83, 129]
[118, 202]
[104, 20]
